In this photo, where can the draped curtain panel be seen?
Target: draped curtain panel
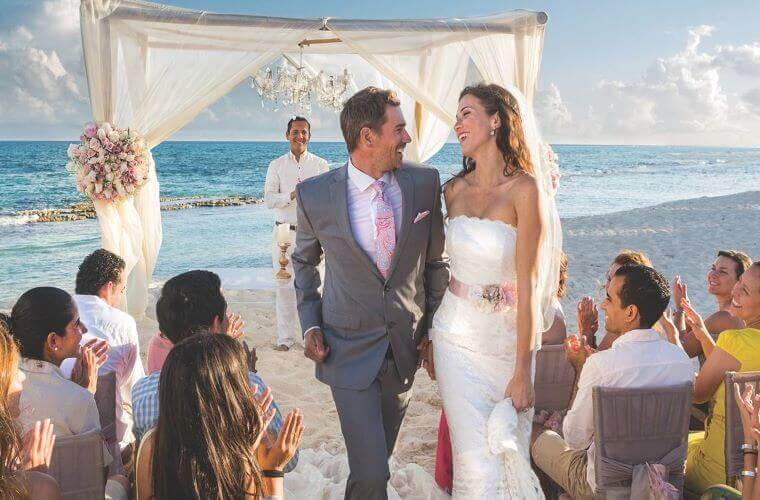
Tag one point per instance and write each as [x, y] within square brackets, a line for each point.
[153, 68]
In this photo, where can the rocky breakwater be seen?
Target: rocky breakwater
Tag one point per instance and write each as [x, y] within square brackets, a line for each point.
[85, 210]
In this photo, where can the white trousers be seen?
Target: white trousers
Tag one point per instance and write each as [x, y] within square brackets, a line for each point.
[288, 326]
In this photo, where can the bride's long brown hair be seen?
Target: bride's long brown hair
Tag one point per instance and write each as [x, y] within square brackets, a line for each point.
[11, 485]
[208, 423]
[510, 137]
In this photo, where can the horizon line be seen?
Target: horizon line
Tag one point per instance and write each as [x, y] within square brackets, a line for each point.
[448, 142]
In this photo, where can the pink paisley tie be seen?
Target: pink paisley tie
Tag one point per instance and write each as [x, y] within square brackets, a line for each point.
[385, 230]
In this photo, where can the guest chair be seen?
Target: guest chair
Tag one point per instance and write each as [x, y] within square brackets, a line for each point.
[637, 426]
[734, 433]
[554, 380]
[105, 399]
[77, 465]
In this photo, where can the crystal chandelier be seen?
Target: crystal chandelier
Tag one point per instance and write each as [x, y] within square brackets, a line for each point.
[291, 85]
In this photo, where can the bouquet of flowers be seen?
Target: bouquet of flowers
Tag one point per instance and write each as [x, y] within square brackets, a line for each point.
[551, 160]
[110, 164]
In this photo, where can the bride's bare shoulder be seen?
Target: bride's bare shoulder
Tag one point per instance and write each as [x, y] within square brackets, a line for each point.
[525, 186]
[453, 186]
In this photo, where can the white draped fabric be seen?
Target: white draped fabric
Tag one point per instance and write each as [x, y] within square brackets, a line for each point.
[153, 68]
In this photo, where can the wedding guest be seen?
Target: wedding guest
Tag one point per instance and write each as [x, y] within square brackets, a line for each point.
[100, 285]
[45, 322]
[23, 461]
[724, 274]
[189, 303]
[189, 454]
[735, 350]
[588, 315]
[283, 174]
[636, 298]
[558, 331]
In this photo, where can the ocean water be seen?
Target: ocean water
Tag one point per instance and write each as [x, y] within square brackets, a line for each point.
[595, 180]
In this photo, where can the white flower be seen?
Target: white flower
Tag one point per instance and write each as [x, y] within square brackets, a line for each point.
[120, 189]
[106, 127]
[98, 187]
[102, 134]
[71, 150]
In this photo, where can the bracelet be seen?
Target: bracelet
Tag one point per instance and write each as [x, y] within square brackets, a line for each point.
[273, 473]
[748, 473]
[748, 447]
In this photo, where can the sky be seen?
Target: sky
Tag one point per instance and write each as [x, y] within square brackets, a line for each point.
[644, 72]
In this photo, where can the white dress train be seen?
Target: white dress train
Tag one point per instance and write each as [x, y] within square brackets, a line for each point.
[474, 350]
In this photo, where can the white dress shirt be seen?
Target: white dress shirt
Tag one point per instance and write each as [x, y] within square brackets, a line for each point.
[282, 176]
[118, 328]
[639, 358]
[362, 206]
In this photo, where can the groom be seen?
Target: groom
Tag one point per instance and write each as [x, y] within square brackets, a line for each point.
[379, 225]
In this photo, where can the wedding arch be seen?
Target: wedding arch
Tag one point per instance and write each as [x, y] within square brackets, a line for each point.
[153, 68]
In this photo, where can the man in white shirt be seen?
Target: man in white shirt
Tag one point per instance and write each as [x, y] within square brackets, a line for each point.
[283, 174]
[636, 298]
[100, 285]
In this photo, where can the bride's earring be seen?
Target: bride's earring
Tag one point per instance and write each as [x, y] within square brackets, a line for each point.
[493, 131]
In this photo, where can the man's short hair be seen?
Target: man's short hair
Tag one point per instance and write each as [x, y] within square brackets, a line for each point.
[645, 288]
[742, 260]
[632, 257]
[190, 302]
[366, 108]
[97, 269]
[298, 119]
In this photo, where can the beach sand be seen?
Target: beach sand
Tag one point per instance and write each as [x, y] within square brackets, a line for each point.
[680, 237]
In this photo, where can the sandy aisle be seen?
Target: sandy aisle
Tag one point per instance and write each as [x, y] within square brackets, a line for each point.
[680, 237]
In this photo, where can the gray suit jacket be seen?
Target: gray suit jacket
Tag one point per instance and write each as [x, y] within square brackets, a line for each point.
[358, 311]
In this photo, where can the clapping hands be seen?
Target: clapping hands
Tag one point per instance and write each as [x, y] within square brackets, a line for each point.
[92, 355]
[38, 446]
[577, 351]
[749, 409]
[284, 449]
[231, 325]
[588, 320]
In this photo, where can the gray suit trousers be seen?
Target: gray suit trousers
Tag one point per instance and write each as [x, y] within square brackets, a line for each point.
[370, 420]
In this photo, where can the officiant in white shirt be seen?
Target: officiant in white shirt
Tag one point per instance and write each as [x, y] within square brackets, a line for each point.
[280, 195]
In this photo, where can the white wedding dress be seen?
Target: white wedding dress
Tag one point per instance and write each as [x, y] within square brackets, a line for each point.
[474, 350]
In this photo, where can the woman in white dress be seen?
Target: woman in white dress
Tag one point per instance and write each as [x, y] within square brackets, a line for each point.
[503, 239]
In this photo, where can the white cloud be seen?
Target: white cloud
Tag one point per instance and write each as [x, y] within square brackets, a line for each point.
[752, 100]
[34, 104]
[744, 59]
[63, 14]
[681, 98]
[22, 35]
[552, 112]
[41, 71]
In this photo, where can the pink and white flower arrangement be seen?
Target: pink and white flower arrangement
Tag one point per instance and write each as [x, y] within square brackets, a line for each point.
[551, 162]
[110, 164]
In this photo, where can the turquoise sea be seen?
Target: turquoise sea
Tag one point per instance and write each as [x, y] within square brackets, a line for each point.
[595, 180]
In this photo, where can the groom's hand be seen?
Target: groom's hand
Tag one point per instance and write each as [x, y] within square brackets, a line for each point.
[425, 357]
[315, 348]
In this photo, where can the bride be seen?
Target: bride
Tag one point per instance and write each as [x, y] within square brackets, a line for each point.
[503, 240]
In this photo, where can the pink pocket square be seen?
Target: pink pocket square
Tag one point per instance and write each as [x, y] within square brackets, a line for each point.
[421, 216]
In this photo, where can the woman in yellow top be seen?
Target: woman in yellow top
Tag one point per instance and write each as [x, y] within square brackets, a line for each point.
[736, 350]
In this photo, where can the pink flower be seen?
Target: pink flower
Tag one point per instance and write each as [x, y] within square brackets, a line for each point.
[90, 130]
